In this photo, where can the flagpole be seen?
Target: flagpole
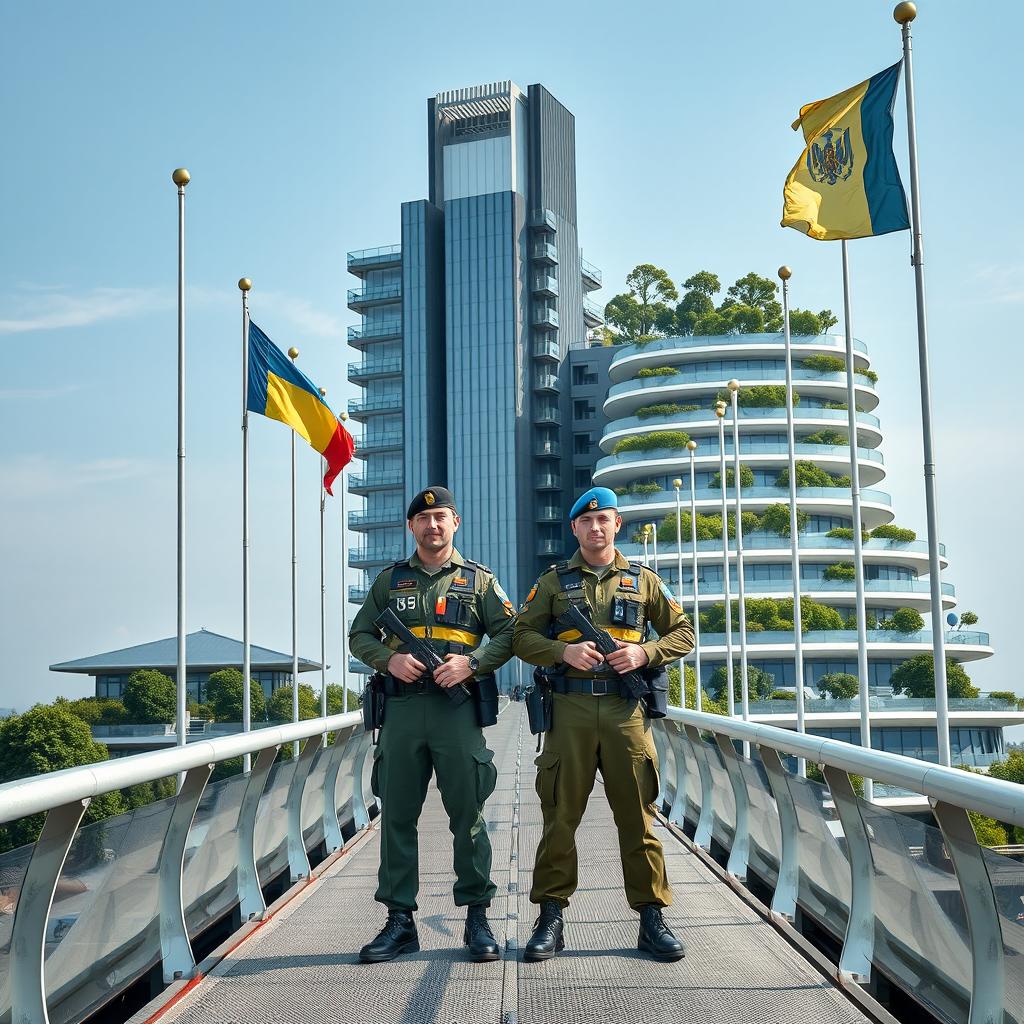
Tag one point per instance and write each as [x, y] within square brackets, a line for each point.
[181, 178]
[858, 542]
[904, 15]
[734, 387]
[244, 285]
[692, 447]
[794, 524]
[676, 484]
[323, 595]
[293, 354]
[344, 592]
[654, 534]
[646, 534]
[727, 597]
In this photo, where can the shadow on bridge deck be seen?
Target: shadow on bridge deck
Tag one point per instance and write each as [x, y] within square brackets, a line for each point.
[301, 965]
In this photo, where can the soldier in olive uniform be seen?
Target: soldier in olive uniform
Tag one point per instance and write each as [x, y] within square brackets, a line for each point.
[452, 602]
[593, 726]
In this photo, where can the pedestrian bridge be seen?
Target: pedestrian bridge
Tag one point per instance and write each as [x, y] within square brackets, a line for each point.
[798, 904]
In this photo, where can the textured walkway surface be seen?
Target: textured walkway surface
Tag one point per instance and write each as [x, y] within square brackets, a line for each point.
[302, 965]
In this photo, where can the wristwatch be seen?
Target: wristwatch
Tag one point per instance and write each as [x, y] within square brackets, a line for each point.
[474, 663]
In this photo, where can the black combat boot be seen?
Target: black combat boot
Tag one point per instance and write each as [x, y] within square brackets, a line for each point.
[546, 939]
[396, 937]
[479, 937]
[655, 936]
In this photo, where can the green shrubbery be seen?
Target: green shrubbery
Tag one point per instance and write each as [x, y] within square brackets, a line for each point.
[760, 396]
[904, 620]
[824, 364]
[658, 371]
[901, 534]
[810, 475]
[767, 613]
[916, 678]
[774, 519]
[839, 685]
[865, 372]
[782, 695]
[665, 409]
[846, 533]
[746, 478]
[669, 439]
[759, 683]
[840, 571]
[826, 436]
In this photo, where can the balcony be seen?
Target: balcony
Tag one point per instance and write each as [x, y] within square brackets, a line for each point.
[548, 415]
[545, 316]
[549, 548]
[544, 284]
[374, 481]
[548, 450]
[547, 350]
[593, 313]
[376, 519]
[370, 369]
[375, 406]
[592, 279]
[545, 382]
[544, 252]
[548, 482]
[360, 337]
[387, 442]
[364, 557]
[543, 220]
[361, 260]
[373, 295]
[549, 514]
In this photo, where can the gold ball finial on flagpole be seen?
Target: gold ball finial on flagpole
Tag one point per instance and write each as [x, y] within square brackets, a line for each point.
[733, 385]
[785, 273]
[691, 446]
[181, 177]
[343, 417]
[905, 12]
[323, 392]
[244, 284]
[720, 409]
[293, 353]
[677, 483]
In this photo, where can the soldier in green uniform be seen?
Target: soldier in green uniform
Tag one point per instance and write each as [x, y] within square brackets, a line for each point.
[452, 602]
[594, 726]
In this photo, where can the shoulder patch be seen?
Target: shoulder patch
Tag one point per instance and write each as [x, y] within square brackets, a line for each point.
[669, 596]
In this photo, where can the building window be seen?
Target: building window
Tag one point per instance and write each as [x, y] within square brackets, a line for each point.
[110, 686]
[581, 375]
[583, 411]
[582, 444]
[581, 478]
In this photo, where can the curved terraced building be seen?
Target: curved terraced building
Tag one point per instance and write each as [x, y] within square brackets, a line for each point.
[668, 388]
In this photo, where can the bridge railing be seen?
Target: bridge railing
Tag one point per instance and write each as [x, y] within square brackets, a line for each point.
[934, 912]
[86, 911]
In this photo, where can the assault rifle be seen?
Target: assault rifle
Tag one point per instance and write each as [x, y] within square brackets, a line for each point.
[389, 622]
[605, 643]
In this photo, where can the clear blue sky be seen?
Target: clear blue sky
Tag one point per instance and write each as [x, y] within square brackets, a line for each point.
[304, 128]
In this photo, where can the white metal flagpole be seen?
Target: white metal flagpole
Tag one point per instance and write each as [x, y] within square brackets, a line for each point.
[734, 387]
[692, 447]
[905, 14]
[794, 522]
[323, 593]
[344, 591]
[654, 534]
[727, 597]
[293, 354]
[864, 680]
[244, 285]
[181, 178]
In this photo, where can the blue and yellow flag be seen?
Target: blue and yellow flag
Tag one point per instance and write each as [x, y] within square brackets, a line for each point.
[846, 183]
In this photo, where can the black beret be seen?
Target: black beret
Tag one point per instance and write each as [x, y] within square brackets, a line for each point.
[431, 497]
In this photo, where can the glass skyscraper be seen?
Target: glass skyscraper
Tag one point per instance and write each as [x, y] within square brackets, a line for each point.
[466, 331]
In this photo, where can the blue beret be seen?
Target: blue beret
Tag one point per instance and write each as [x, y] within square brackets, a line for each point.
[592, 500]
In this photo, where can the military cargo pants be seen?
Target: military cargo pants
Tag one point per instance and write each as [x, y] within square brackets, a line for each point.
[607, 733]
[425, 733]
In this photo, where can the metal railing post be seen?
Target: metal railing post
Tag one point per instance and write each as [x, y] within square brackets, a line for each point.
[333, 839]
[679, 743]
[28, 933]
[660, 749]
[175, 949]
[298, 860]
[740, 852]
[706, 820]
[788, 885]
[988, 980]
[250, 896]
[360, 813]
[859, 942]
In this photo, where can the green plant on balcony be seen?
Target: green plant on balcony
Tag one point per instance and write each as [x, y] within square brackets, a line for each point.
[746, 478]
[782, 695]
[1007, 696]
[775, 519]
[810, 475]
[709, 527]
[651, 487]
[865, 372]
[841, 405]
[968, 619]
[670, 439]
[846, 533]
[826, 436]
[760, 396]
[890, 531]
[840, 571]
[916, 678]
[658, 371]
[759, 683]
[904, 620]
[824, 364]
[839, 685]
[767, 613]
[664, 409]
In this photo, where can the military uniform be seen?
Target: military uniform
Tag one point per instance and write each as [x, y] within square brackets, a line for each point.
[593, 725]
[424, 732]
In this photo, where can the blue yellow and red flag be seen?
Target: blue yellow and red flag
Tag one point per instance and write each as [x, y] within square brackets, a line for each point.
[846, 183]
[278, 389]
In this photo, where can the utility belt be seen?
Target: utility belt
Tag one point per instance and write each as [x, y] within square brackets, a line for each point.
[382, 685]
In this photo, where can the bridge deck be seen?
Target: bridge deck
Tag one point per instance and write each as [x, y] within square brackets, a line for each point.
[302, 965]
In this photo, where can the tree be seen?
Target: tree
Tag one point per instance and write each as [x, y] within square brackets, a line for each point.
[708, 703]
[746, 478]
[803, 321]
[759, 683]
[907, 620]
[968, 619]
[839, 685]
[775, 518]
[150, 697]
[696, 302]
[828, 320]
[279, 707]
[758, 292]
[623, 313]
[916, 678]
[637, 312]
[809, 475]
[336, 699]
[95, 710]
[48, 739]
[224, 695]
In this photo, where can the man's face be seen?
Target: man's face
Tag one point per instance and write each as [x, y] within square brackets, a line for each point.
[434, 528]
[596, 530]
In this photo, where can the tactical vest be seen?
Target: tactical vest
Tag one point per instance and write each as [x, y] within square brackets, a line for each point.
[457, 627]
[628, 619]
